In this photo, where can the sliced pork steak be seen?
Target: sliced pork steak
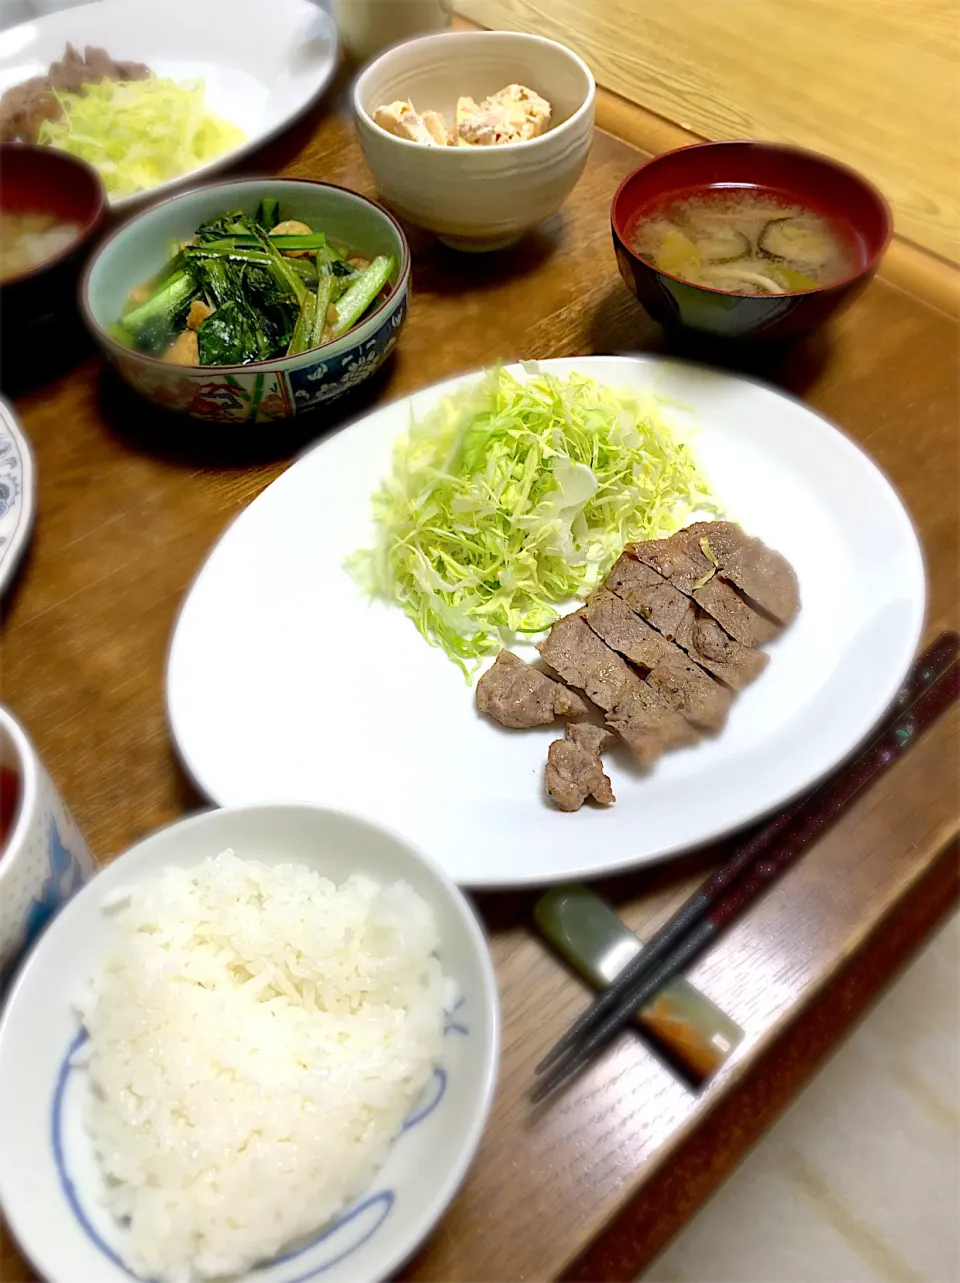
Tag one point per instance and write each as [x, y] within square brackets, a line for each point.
[25, 106]
[681, 562]
[730, 661]
[678, 619]
[516, 695]
[761, 574]
[625, 630]
[641, 715]
[660, 648]
[574, 771]
[649, 594]
[692, 692]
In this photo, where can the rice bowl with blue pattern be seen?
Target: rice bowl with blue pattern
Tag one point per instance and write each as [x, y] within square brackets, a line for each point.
[62, 1178]
[254, 391]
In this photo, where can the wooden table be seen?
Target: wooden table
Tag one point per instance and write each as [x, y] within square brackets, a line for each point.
[129, 506]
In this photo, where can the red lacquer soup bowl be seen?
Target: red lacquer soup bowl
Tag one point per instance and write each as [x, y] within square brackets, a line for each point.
[40, 180]
[855, 210]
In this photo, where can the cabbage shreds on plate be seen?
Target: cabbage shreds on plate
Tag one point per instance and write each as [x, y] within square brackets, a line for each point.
[139, 133]
[509, 500]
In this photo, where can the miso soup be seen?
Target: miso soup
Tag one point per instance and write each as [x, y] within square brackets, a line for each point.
[28, 239]
[743, 241]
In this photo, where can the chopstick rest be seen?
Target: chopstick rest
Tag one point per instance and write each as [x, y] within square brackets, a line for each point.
[586, 932]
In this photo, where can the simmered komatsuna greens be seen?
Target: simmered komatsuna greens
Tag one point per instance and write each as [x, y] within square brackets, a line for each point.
[252, 289]
[509, 500]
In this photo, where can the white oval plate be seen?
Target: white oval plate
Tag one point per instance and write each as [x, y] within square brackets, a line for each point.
[17, 485]
[283, 682]
[262, 64]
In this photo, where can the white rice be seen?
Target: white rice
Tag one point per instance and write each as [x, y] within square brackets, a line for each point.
[256, 1038]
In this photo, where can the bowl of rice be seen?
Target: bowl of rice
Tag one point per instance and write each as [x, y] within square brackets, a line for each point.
[261, 1044]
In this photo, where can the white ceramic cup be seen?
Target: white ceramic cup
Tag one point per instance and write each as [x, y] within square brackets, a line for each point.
[44, 860]
[366, 27]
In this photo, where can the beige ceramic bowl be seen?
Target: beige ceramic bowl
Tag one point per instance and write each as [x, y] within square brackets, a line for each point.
[477, 198]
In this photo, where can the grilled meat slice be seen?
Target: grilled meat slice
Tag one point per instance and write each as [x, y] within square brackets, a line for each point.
[649, 594]
[761, 574]
[516, 695]
[678, 619]
[640, 714]
[574, 770]
[728, 660]
[681, 562]
[692, 692]
[24, 107]
[625, 630]
[688, 689]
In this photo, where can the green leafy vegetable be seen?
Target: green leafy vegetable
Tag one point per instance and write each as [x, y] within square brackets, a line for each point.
[508, 501]
[153, 324]
[361, 292]
[268, 212]
[228, 335]
[304, 326]
[281, 267]
[270, 295]
[321, 303]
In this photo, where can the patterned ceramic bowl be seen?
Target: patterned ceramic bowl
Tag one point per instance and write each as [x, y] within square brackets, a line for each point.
[44, 860]
[51, 1187]
[262, 390]
[17, 492]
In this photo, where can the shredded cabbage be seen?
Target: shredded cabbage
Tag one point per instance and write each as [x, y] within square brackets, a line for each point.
[138, 133]
[509, 500]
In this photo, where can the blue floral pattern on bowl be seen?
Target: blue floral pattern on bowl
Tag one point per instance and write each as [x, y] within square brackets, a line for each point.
[330, 377]
[65, 879]
[46, 860]
[349, 1232]
[16, 492]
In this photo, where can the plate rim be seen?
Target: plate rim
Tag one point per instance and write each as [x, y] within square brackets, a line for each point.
[627, 863]
[10, 559]
[133, 200]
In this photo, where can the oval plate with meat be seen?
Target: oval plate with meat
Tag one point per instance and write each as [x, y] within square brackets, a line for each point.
[258, 76]
[285, 682]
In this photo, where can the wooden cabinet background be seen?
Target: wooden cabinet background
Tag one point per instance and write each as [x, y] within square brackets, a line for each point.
[873, 82]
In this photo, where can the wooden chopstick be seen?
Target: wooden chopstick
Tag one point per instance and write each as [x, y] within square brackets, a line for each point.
[934, 661]
[933, 684]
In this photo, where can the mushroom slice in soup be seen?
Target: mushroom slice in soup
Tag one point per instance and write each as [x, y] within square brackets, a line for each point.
[740, 279]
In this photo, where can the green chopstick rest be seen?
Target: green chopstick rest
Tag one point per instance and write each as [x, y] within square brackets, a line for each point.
[586, 932]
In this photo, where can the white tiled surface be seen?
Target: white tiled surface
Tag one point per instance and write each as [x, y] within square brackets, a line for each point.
[859, 1182]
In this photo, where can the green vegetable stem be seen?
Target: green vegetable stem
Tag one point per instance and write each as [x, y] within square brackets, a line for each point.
[361, 293]
[269, 295]
[152, 325]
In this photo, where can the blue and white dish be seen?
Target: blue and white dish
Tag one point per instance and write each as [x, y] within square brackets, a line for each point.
[17, 497]
[45, 860]
[50, 1182]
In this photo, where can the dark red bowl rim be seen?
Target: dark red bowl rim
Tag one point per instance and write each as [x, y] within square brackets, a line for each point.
[58, 157]
[786, 149]
[104, 336]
